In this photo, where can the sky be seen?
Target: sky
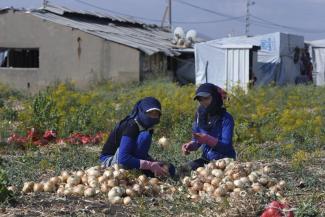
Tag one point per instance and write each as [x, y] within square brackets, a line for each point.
[212, 18]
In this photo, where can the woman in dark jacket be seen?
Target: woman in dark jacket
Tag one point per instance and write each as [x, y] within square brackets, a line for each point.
[213, 128]
[130, 141]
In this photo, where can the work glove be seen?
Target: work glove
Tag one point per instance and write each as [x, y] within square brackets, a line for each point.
[203, 138]
[155, 167]
[190, 146]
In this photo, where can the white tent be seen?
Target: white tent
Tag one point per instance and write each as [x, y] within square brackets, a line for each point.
[275, 59]
[317, 52]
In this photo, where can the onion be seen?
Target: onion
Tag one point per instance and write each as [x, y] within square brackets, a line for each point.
[228, 161]
[235, 176]
[252, 177]
[230, 186]
[186, 181]
[55, 180]
[102, 179]
[93, 172]
[127, 200]
[104, 188]
[116, 167]
[143, 179]
[215, 182]
[129, 192]
[64, 175]
[93, 184]
[80, 173]
[89, 192]
[245, 181]
[78, 190]
[84, 179]
[67, 191]
[256, 187]
[217, 173]
[137, 188]
[108, 174]
[154, 181]
[210, 189]
[220, 191]
[263, 180]
[267, 170]
[197, 186]
[205, 186]
[49, 187]
[211, 166]
[116, 191]
[282, 184]
[116, 174]
[116, 200]
[38, 187]
[60, 191]
[195, 197]
[112, 183]
[163, 142]
[238, 183]
[74, 180]
[204, 172]
[221, 164]
[12, 188]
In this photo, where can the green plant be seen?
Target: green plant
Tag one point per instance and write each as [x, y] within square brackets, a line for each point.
[4, 192]
[307, 208]
[45, 114]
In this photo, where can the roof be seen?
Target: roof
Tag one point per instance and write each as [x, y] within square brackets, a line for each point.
[147, 38]
[317, 43]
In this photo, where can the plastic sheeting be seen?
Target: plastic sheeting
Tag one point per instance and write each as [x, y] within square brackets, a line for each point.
[317, 51]
[275, 59]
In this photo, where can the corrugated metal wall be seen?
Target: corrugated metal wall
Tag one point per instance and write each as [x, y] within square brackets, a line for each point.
[237, 67]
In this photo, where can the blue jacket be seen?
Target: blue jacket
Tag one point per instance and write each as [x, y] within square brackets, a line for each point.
[222, 129]
[133, 144]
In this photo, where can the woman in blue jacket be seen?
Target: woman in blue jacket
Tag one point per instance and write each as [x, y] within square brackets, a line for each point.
[130, 141]
[213, 128]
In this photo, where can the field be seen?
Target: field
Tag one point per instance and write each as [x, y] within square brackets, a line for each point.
[280, 127]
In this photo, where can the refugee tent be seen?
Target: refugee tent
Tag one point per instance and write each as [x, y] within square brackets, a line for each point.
[317, 52]
[277, 60]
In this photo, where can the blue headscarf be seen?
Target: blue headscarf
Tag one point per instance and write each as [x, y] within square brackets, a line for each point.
[207, 116]
[140, 109]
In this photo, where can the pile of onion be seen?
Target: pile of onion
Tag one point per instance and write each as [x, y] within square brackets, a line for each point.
[229, 178]
[116, 182]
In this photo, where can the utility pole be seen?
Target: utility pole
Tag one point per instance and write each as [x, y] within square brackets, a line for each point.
[45, 2]
[170, 14]
[168, 10]
[248, 4]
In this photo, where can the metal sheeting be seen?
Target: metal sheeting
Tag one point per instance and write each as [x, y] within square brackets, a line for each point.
[61, 10]
[237, 67]
[148, 40]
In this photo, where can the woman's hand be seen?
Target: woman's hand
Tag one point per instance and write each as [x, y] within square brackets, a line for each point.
[190, 146]
[203, 138]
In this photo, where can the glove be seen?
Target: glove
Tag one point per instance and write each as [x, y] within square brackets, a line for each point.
[203, 138]
[155, 167]
[190, 146]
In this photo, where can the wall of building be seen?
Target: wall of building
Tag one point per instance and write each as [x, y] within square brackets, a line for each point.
[65, 54]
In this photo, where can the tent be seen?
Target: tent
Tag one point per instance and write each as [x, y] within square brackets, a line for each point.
[276, 61]
[317, 52]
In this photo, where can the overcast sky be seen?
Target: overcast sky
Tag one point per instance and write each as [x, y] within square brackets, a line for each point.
[214, 18]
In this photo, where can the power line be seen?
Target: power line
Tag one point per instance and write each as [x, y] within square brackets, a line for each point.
[297, 29]
[157, 20]
[205, 9]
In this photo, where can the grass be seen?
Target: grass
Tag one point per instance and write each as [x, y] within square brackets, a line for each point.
[297, 157]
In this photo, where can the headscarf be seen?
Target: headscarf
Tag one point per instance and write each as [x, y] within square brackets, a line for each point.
[214, 111]
[140, 109]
